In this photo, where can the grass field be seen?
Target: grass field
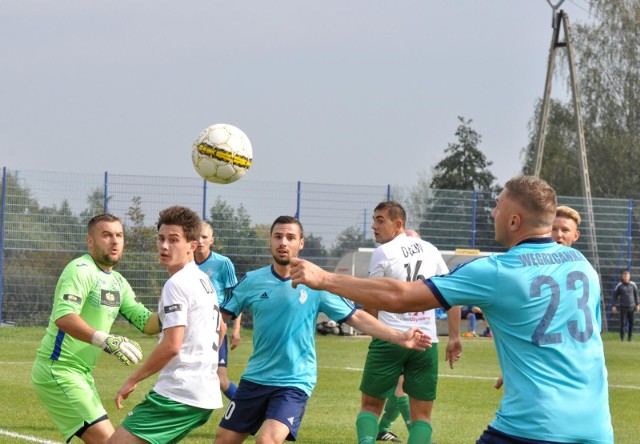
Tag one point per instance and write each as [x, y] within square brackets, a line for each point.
[466, 398]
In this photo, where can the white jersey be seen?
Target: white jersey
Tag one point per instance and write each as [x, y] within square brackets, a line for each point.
[188, 299]
[408, 259]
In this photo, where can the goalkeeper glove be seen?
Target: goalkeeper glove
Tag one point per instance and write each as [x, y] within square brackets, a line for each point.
[126, 350]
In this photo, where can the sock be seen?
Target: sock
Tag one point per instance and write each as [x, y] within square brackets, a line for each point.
[230, 391]
[390, 414]
[420, 433]
[472, 322]
[367, 427]
[403, 405]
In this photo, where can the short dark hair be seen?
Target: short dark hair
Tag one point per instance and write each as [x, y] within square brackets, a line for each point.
[184, 217]
[287, 220]
[102, 217]
[394, 209]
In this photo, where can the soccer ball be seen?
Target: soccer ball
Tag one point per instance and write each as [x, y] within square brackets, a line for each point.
[222, 153]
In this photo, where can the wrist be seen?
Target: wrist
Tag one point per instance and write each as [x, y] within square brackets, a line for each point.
[99, 337]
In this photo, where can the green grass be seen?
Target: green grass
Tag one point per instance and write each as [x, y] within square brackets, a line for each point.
[466, 398]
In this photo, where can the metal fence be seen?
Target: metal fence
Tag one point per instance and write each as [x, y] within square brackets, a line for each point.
[43, 226]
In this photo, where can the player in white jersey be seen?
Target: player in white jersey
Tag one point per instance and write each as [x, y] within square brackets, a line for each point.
[186, 356]
[407, 259]
[543, 304]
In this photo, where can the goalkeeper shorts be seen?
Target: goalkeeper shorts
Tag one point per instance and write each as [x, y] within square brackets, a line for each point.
[68, 394]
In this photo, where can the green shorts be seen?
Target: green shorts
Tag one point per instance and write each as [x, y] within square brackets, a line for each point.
[68, 394]
[160, 420]
[386, 362]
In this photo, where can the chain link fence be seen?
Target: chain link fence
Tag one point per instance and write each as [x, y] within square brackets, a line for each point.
[44, 214]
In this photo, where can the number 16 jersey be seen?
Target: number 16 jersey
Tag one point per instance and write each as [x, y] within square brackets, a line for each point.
[408, 258]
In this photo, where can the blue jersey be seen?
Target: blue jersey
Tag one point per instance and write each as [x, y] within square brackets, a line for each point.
[221, 271]
[542, 301]
[284, 325]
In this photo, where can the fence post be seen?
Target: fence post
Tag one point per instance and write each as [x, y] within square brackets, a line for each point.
[299, 192]
[364, 224]
[388, 192]
[4, 212]
[629, 233]
[204, 199]
[105, 204]
[473, 218]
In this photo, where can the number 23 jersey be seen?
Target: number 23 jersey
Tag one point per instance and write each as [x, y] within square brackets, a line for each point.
[542, 301]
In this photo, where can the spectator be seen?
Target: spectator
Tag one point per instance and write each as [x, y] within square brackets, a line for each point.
[625, 296]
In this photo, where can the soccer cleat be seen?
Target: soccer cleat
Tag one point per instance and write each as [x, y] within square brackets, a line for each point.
[387, 436]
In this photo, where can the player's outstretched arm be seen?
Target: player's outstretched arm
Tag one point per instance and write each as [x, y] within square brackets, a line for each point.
[454, 345]
[380, 293]
[126, 350]
[235, 334]
[152, 326]
[164, 352]
[413, 338]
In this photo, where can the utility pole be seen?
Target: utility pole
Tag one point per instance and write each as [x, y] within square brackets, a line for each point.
[560, 19]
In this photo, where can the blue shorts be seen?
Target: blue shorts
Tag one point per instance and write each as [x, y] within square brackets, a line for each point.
[223, 352]
[493, 436]
[255, 403]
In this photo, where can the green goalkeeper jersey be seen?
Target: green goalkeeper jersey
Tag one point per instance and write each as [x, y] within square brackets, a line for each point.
[97, 297]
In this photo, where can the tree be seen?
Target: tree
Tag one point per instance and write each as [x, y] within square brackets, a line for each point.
[350, 239]
[465, 167]
[314, 249]
[96, 204]
[237, 238]
[607, 54]
[561, 167]
[139, 263]
[459, 197]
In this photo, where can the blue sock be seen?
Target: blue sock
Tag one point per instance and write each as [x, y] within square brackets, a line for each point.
[230, 391]
[472, 322]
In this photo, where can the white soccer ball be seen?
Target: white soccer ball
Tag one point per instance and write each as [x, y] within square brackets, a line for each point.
[222, 153]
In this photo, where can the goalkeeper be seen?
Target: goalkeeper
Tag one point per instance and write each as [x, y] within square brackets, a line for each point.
[88, 297]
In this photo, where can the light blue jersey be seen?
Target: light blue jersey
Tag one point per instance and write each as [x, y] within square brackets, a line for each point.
[221, 272]
[284, 325]
[542, 301]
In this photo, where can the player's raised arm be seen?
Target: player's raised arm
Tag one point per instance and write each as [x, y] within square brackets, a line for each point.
[380, 293]
[413, 338]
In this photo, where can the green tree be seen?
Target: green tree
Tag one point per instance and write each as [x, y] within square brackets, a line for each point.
[38, 244]
[350, 239]
[314, 249]
[139, 264]
[560, 167]
[607, 52]
[465, 167]
[237, 238]
[454, 209]
[96, 204]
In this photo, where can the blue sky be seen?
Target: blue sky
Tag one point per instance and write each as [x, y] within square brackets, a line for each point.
[353, 92]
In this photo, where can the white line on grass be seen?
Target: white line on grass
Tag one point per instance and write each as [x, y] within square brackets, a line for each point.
[487, 378]
[26, 437]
